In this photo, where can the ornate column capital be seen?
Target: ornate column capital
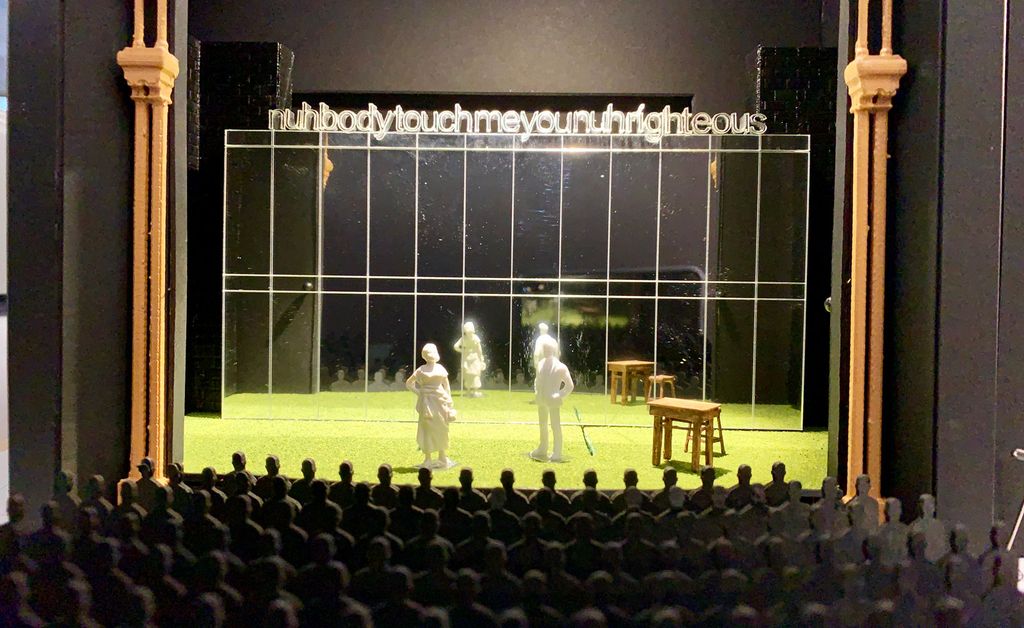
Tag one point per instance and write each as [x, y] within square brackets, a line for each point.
[150, 72]
[873, 81]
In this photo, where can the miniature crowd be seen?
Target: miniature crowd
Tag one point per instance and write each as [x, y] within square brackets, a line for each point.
[242, 550]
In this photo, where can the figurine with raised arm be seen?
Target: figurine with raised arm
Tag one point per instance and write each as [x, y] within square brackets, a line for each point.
[551, 385]
[538, 345]
[435, 407]
[473, 364]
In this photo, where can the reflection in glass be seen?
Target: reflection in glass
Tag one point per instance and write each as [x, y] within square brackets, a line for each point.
[344, 209]
[297, 174]
[294, 355]
[440, 213]
[247, 209]
[538, 190]
[585, 216]
[392, 213]
[779, 369]
[488, 214]
[730, 343]
[246, 374]
[343, 357]
[783, 217]
[390, 351]
[634, 216]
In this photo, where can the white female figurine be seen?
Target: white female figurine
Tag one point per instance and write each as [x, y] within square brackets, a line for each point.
[538, 345]
[473, 364]
[435, 407]
[552, 384]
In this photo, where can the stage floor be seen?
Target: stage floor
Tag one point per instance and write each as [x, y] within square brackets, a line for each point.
[496, 406]
[489, 448]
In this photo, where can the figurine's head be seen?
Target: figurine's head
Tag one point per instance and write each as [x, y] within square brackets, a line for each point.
[384, 474]
[707, 476]
[590, 478]
[863, 484]
[279, 488]
[926, 506]
[829, 488]
[893, 510]
[548, 478]
[430, 353]
[308, 468]
[959, 538]
[273, 465]
[496, 500]
[778, 471]
[209, 476]
[466, 478]
[15, 507]
[508, 478]
[549, 348]
[469, 328]
[145, 467]
[542, 328]
[630, 478]
[676, 498]
[174, 472]
[94, 487]
[669, 476]
[238, 460]
[345, 471]
[318, 489]
[64, 482]
[796, 491]
[425, 476]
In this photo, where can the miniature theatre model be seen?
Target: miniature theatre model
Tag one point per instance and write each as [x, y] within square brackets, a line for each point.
[515, 262]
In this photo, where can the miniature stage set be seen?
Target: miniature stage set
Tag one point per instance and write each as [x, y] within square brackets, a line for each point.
[492, 302]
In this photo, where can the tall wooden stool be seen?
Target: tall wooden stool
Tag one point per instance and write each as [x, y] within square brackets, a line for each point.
[716, 437]
[666, 382]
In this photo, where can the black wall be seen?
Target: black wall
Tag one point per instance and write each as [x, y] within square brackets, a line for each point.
[494, 46]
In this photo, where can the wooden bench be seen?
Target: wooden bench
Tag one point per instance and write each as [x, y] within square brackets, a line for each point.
[699, 416]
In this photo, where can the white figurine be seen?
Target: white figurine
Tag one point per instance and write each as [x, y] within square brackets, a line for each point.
[340, 384]
[552, 384]
[473, 363]
[435, 407]
[538, 345]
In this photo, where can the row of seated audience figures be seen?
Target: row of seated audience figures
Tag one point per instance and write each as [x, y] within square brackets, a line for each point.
[340, 381]
[245, 551]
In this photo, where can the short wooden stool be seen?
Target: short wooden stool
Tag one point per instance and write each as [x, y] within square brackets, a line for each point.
[665, 382]
[717, 436]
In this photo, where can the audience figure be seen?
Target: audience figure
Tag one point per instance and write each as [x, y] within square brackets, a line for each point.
[302, 489]
[515, 501]
[776, 492]
[426, 495]
[342, 492]
[147, 486]
[558, 502]
[264, 486]
[218, 498]
[658, 562]
[934, 530]
[864, 500]
[238, 464]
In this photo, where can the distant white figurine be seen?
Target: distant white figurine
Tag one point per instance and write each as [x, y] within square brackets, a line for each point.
[399, 383]
[552, 385]
[340, 384]
[379, 383]
[538, 345]
[473, 363]
[435, 407]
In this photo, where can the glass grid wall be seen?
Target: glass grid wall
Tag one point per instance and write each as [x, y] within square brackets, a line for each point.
[344, 254]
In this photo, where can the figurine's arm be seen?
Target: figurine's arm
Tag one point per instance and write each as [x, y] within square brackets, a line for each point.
[458, 345]
[411, 383]
[447, 387]
[567, 384]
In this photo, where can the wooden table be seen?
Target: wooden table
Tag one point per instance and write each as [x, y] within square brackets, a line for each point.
[625, 372]
[700, 417]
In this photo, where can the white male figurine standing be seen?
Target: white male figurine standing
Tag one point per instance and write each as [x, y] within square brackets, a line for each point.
[551, 385]
[538, 345]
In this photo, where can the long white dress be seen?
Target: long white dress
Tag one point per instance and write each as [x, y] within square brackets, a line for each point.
[473, 364]
[435, 407]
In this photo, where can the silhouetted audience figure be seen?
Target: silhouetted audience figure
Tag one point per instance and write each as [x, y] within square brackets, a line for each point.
[467, 612]
[238, 465]
[564, 589]
[505, 526]
[893, 534]
[741, 494]
[415, 550]
[934, 530]
[134, 552]
[640, 555]
[996, 551]
[15, 610]
[470, 499]
[397, 609]
[600, 596]
[660, 501]
[218, 498]
[210, 577]
[427, 497]
[405, 518]
[529, 552]
[535, 602]
[456, 523]
[558, 502]
[357, 518]
[13, 539]
[792, 518]
[553, 525]
[243, 488]
[827, 513]
[372, 584]
[342, 492]
[865, 501]
[157, 527]
[435, 585]
[377, 528]
[625, 590]
[244, 532]
[384, 494]
[515, 501]
[50, 582]
[87, 538]
[630, 479]
[181, 493]
[699, 499]
[264, 486]
[776, 492]
[279, 500]
[583, 554]
[590, 499]
[169, 594]
[94, 496]
[318, 514]
[470, 552]
[500, 590]
[302, 489]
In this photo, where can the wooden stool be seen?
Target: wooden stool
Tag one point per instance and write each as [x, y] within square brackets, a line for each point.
[654, 381]
[720, 438]
[617, 385]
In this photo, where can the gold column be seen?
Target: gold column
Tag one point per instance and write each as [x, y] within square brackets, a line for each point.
[872, 81]
[150, 72]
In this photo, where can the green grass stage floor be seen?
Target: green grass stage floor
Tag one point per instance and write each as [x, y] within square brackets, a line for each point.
[496, 406]
[489, 448]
